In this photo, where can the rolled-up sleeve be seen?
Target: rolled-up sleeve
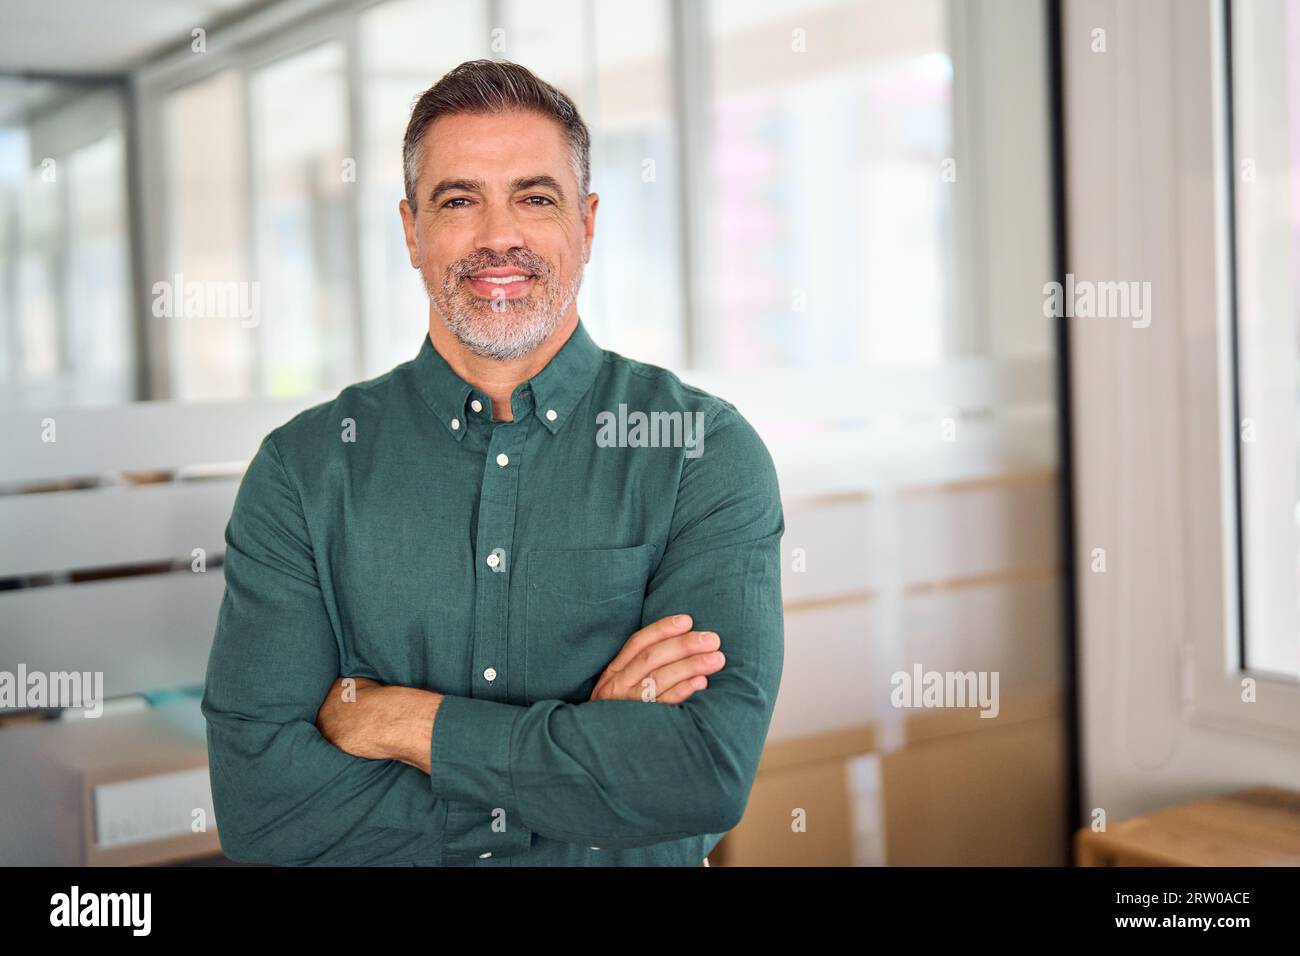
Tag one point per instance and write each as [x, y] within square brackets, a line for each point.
[281, 792]
[624, 774]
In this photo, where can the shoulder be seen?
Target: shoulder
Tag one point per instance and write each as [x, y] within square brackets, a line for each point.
[731, 449]
[650, 388]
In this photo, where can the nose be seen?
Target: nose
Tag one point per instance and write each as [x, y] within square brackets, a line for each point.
[498, 227]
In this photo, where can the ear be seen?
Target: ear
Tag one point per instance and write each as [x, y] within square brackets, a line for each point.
[589, 224]
[408, 227]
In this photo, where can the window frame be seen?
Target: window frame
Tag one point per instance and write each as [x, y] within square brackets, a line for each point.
[1219, 665]
[1153, 197]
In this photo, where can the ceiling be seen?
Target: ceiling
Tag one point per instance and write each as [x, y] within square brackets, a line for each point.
[102, 36]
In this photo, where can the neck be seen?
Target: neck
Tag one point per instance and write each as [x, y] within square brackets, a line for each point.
[497, 379]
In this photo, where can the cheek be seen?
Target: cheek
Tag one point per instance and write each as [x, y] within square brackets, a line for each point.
[443, 243]
[438, 258]
[564, 253]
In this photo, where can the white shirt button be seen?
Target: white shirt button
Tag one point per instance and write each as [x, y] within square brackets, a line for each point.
[550, 415]
[484, 856]
[493, 560]
[455, 423]
[503, 460]
[490, 674]
[476, 405]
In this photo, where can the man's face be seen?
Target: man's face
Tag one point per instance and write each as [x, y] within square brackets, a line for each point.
[499, 232]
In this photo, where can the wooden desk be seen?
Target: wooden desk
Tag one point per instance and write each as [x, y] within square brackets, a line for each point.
[1258, 827]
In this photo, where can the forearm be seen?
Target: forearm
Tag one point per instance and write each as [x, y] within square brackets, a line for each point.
[607, 773]
[410, 727]
[572, 802]
[262, 774]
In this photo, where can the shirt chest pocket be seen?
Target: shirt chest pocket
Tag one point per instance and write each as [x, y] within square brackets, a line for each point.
[582, 607]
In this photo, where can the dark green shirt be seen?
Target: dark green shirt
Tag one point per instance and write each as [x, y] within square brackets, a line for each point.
[400, 532]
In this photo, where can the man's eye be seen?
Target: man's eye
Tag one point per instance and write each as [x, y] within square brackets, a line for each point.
[448, 203]
[544, 200]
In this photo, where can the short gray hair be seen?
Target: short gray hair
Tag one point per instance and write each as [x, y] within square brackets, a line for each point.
[493, 86]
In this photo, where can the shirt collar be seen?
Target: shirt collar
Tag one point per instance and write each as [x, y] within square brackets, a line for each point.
[567, 377]
[556, 389]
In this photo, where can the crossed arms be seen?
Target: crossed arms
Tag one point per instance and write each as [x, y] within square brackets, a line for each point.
[615, 771]
[665, 662]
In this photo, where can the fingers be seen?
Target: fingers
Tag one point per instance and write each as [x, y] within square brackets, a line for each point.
[664, 667]
[665, 662]
[664, 652]
[682, 674]
[683, 690]
[650, 634]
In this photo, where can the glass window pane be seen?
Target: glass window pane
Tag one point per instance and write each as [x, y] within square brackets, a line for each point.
[40, 310]
[634, 283]
[1266, 144]
[99, 356]
[211, 356]
[301, 223]
[65, 277]
[829, 226]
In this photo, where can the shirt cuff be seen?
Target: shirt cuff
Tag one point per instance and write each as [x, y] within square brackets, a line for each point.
[469, 757]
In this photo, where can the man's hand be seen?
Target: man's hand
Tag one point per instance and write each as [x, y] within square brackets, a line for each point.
[377, 721]
[664, 662]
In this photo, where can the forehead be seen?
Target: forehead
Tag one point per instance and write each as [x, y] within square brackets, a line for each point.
[491, 146]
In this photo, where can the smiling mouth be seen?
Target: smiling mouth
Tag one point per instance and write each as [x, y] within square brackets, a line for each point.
[510, 286]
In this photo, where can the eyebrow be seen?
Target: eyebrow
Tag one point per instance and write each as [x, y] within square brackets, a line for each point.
[516, 185]
[455, 185]
[533, 182]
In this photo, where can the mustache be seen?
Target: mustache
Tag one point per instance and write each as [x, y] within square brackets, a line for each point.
[522, 259]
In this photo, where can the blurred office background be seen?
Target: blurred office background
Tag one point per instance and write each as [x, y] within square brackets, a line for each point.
[838, 214]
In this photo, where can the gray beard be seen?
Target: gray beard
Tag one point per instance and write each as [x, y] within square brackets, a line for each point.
[504, 329]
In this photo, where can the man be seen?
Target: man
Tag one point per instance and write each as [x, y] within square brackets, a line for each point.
[476, 608]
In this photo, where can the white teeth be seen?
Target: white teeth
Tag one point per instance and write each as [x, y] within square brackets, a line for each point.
[501, 280]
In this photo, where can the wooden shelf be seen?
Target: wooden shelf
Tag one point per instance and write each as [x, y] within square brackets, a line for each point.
[1257, 827]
